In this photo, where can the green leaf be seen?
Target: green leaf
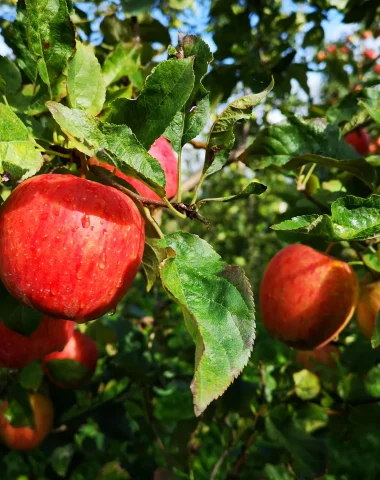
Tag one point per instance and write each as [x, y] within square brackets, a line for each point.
[372, 382]
[372, 107]
[86, 88]
[114, 144]
[314, 36]
[51, 37]
[122, 62]
[135, 7]
[164, 93]
[217, 303]
[31, 376]
[375, 340]
[10, 74]
[352, 218]
[372, 261]
[307, 384]
[179, 4]
[61, 459]
[221, 138]
[18, 150]
[16, 37]
[152, 258]
[295, 143]
[254, 188]
[67, 371]
[19, 412]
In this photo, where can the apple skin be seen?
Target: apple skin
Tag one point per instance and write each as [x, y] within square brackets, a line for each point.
[370, 54]
[16, 350]
[310, 359]
[69, 247]
[163, 152]
[377, 68]
[26, 438]
[367, 308]
[306, 297]
[80, 348]
[359, 140]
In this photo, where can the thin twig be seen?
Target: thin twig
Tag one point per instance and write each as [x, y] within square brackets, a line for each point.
[198, 145]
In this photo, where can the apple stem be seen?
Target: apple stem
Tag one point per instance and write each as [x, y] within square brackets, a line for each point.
[57, 154]
[153, 222]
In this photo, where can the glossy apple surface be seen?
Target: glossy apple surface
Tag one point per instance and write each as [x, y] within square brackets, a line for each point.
[306, 297]
[16, 350]
[359, 140]
[326, 355]
[368, 307]
[27, 438]
[69, 247]
[75, 364]
[163, 152]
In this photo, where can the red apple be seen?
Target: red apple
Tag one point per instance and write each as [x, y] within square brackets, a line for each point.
[345, 49]
[368, 307]
[163, 152]
[359, 140]
[75, 364]
[27, 438]
[367, 34]
[16, 350]
[310, 359]
[69, 247]
[331, 48]
[306, 297]
[377, 68]
[370, 54]
[321, 56]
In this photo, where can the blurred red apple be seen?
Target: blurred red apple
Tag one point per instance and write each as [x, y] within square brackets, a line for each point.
[345, 49]
[367, 34]
[16, 350]
[306, 297]
[331, 48]
[377, 68]
[321, 56]
[69, 247]
[359, 140]
[75, 364]
[368, 307]
[370, 54]
[163, 152]
[27, 438]
[310, 359]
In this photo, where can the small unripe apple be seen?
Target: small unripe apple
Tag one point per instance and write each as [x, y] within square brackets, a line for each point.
[163, 152]
[313, 185]
[321, 56]
[69, 247]
[359, 140]
[75, 364]
[370, 54]
[16, 350]
[306, 297]
[368, 307]
[326, 355]
[27, 438]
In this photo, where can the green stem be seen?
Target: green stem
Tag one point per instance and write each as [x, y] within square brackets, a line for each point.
[308, 175]
[195, 196]
[153, 222]
[179, 192]
[172, 209]
[58, 154]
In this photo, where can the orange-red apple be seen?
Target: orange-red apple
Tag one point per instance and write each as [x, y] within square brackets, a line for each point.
[368, 307]
[16, 350]
[27, 438]
[306, 297]
[75, 364]
[370, 54]
[69, 247]
[359, 140]
[321, 56]
[310, 359]
[163, 152]
[377, 68]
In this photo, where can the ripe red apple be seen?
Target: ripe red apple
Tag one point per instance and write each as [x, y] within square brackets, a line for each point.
[69, 247]
[306, 297]
[310, 359]
[331, 48]
[370, 54]
[75, 364]
[321, 56]
[27, 438]
[367, 34]
[377, 68]
[345, 49]
[16, 350]
[368, 307]
[163, 152]
[359, 140]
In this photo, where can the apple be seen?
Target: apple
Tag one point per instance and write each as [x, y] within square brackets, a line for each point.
[345, 49]
[331, 48]
[310, 359]
[359, 140]
[69, 247]
[75, 364]
[370, 54]
[306, 297]
[367, 34]
[163, 152]
[27, 438]
[321, 56]
[312, 185]
[368, 307]
[377, 68]
[16, 350]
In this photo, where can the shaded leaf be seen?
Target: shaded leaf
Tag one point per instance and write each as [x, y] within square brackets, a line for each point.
[19, 412]
[123, 61]
[10, 74]
[61, 459]
[152, 258]
[217, 303]
[31, 376]
[375, 340]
